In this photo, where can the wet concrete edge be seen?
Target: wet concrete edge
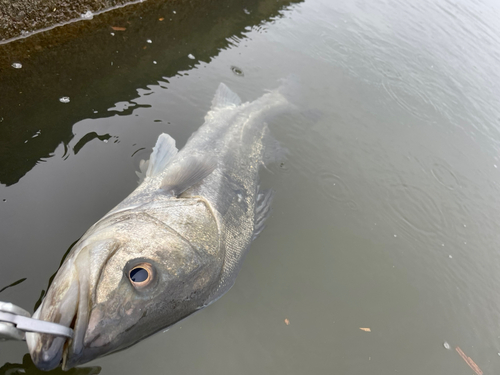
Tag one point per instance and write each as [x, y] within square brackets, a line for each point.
[23, 17]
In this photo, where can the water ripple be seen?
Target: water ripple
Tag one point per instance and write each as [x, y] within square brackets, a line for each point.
[445, 176]
[335, 188]
[416, 210]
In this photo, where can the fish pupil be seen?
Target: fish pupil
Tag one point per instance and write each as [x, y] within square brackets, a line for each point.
[138, 275]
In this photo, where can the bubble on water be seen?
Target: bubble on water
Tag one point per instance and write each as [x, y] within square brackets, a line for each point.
[64, 99]
[191, 57]
[174, 12]
[112, 34]
[149, 41]
[449, 256]
[446, 345]
[105, 140]
[240, 198]
[246, 11]
[88, 15]
[237, 71]
[495, 165]
[17, 65]
[154, 62]
[395, 235]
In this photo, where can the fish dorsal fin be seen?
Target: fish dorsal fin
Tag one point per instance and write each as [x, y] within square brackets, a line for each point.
[186, 173]
[224, 97]
[163, 152]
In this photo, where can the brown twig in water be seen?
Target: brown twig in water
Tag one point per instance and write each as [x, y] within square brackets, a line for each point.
[469, 361]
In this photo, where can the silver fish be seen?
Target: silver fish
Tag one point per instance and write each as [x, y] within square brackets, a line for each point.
[174, 245]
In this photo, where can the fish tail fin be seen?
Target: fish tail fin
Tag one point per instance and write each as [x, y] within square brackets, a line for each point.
[274, 152]
[285, 99]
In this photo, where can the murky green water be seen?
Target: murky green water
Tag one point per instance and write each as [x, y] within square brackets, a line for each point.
[386, 209]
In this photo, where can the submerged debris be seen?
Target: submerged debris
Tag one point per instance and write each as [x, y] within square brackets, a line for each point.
[366, 329]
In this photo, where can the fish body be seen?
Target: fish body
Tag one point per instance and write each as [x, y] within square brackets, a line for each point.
[173, 246]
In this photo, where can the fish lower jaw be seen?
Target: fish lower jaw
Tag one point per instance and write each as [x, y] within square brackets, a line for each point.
[64, 364]
[69, 361]
[49, 358]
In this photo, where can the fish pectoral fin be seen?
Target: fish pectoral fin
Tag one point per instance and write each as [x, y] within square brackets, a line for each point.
[224, 96]
[186, 173]
[262, 211]
[162, 154]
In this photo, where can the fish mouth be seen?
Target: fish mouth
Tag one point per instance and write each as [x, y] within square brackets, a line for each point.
[66, 303]
[48, 351]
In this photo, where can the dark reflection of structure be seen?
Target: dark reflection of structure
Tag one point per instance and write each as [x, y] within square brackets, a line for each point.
[28, 368]
[87, 138]
[95, 69]
[44, 291]
[13, 284]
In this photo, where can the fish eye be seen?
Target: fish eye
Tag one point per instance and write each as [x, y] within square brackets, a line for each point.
[141, 275]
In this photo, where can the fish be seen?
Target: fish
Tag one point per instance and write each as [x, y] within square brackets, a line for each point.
[174, 245]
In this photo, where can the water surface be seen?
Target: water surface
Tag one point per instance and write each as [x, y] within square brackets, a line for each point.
[386, 208]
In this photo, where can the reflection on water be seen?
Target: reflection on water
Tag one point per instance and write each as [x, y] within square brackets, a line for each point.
[104, 60]
[27, 367]
[13, 284]
[89, 137]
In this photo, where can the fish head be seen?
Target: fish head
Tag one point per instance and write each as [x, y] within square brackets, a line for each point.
[125, 280]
